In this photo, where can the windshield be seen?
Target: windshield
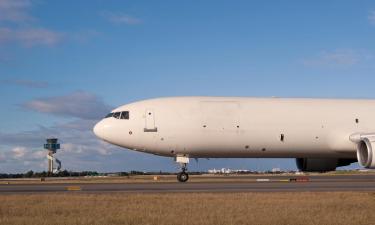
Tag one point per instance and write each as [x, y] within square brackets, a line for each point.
[109, 115]
[124, 115]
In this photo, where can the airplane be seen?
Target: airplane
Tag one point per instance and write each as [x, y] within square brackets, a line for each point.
[321, 134]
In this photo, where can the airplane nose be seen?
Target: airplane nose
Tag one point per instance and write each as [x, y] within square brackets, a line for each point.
[99, 130]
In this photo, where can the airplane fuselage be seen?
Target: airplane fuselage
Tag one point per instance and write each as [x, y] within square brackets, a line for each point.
[230, 127]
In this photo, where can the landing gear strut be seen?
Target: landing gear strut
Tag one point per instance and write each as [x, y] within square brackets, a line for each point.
[182, 176]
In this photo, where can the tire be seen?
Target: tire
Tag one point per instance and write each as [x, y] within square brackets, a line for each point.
[182, 177]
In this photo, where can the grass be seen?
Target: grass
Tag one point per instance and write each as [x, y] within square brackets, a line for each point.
[189, 208]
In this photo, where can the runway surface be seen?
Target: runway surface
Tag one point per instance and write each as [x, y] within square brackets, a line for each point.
[257, 184]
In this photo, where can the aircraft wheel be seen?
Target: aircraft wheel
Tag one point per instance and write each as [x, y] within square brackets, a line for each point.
[182, 177]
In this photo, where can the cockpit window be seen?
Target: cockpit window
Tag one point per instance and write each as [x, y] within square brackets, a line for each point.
[117, 115]
[109, 115]
[125, 115]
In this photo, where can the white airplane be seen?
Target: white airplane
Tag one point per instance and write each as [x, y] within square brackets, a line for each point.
[322, 134]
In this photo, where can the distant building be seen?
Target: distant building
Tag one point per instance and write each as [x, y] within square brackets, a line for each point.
[226, 171]
[222, 170]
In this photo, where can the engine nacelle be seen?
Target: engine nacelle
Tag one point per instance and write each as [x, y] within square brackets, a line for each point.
[366, 152]
[321, 164]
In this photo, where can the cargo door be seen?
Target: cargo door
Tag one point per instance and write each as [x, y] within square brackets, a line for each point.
[150, 121]
[220, 116]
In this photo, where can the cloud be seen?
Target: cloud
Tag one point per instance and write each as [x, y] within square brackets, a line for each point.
[19, 152]
[19, 27]
[80, 149]
[25, 83]
[30, 37]
[77, 133]
[338, 58]
[15, 11]
[25, 138]
[371, 17]
[81, 105]
[22, 159]
[37, 36]
[120, 18]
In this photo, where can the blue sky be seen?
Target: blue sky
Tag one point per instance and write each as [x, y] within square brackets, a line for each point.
[63, 64]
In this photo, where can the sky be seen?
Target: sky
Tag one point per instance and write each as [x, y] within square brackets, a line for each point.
[65, 64]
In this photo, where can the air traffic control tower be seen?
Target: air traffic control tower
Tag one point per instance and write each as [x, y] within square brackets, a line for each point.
[54, 165]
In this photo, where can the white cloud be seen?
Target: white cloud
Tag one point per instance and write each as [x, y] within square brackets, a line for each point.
[22, 159]
[37, 36]
[30, 37]
[78, 104]
[17, 26]
[19, 152]
[121, 18]
[38, 154]
[96, 147]
[22, 153]
[338, 58]
[24, 150]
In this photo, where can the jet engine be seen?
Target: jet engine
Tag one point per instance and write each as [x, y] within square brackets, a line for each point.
[366, 152]
[321, 164]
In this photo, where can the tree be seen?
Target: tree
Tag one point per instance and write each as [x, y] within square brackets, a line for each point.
[29, 174]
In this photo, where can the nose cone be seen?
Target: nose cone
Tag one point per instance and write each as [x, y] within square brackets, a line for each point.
[99, 130]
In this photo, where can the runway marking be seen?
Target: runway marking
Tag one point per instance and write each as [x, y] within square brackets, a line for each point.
[73, 188]
[262, 180]
[299, 179]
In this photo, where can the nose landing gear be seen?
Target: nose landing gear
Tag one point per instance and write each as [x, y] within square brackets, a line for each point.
[182, 176]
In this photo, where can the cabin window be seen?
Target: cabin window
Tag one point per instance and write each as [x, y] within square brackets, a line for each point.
[125, 115]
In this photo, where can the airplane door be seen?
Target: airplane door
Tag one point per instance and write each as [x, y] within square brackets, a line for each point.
[150, 121]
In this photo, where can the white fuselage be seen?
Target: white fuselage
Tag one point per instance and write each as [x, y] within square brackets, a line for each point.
[229, 127]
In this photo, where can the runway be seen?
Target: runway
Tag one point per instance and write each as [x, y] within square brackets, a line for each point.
[258, 184]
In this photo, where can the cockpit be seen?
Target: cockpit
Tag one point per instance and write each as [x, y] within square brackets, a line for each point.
[124, 115]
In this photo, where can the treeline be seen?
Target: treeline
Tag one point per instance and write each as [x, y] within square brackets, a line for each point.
[63, 173]
[134, 172]
[66, 173]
